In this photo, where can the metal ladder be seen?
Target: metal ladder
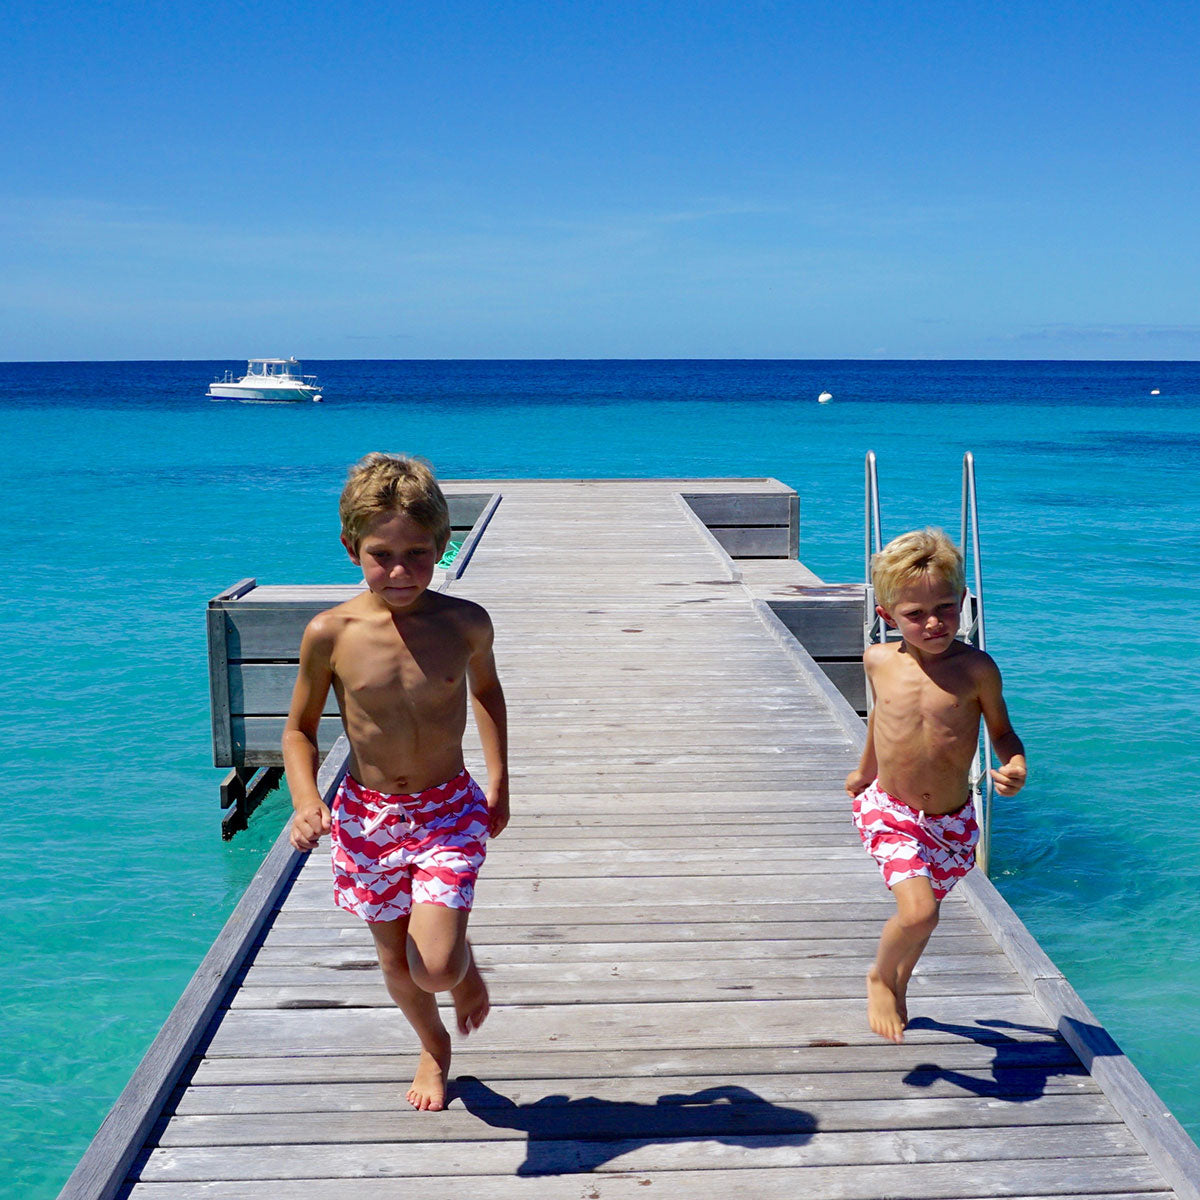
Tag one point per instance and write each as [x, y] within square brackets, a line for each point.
[972, 629]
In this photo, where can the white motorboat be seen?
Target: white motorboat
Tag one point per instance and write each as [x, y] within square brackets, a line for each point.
[267, 379]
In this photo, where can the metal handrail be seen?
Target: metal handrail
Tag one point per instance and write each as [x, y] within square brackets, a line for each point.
[874, 626]
[972, 627]
[976, 634]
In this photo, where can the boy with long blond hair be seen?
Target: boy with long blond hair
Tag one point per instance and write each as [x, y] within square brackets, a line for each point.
[912, 801]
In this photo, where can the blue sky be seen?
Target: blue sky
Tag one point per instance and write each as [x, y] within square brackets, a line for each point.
[521, 180]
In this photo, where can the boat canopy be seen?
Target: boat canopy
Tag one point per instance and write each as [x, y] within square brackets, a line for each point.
[272, 366]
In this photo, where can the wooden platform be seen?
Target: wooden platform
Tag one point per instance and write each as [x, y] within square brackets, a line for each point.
[675, 930]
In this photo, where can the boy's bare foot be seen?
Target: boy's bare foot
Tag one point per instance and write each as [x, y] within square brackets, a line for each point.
[883, 1012]
[470, 998]
[428, 1091]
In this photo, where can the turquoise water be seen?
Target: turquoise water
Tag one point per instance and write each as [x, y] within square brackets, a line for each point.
[128, 500]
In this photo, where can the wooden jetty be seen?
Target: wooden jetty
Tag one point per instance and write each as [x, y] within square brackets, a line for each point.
[675, 927]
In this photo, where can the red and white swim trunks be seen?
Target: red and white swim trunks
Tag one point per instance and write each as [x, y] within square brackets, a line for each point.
[391, 851]
[907, 842]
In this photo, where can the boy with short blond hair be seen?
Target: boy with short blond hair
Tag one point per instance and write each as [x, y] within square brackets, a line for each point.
[409, 825]
[911, 790]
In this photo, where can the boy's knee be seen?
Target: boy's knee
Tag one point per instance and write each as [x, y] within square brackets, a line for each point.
[435, 978]
[434, 971]
[920, 918]
[441, 981]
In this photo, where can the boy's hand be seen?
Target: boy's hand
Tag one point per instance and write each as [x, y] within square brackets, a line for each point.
[857, 782]
[497, 802]
[1010, 778]
[308, 824]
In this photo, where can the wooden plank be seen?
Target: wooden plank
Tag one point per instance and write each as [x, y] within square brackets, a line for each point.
[309, 935]
[719, 890]
[830, 836]
[558, 967]
[805, 958]
[849, 679]
[1069, 1092]
[289, 593]
[1082, 1179]
[1008, 1071]
[717, 1108]
[573, 940]
[618, 490]
[265, 689]
[794, 1143]
[237, 591]
[731, 1024]
[827, 626]
[663, 801]
[269, 631]
[332, 990]
[218, 685]
[582, 828]
[822, 917]
[258, 740]
[754, 542]
[1050, 1059]
[740, 508]
[233, 787]
[693, 865]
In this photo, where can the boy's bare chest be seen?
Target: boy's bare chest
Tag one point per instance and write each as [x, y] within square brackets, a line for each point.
[914, 697]
[378, 667]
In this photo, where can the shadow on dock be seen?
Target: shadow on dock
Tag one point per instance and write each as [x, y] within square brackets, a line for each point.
[1013, 1078]
[567, 1137]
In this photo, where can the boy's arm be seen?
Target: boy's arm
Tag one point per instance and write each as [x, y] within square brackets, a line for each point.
[1010, 777]
[491, 718]
[868, 768]
[300, 754]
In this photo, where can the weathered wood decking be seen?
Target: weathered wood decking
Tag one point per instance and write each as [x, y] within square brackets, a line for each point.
[675, 929]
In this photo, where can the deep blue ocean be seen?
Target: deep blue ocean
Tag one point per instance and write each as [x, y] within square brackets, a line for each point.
[128, 500]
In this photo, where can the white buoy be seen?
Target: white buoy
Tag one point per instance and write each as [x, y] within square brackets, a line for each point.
[824, 397]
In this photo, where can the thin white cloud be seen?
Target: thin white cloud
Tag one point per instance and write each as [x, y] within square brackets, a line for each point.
[1107, 333]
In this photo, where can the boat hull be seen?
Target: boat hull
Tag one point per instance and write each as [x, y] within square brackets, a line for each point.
[237, 391]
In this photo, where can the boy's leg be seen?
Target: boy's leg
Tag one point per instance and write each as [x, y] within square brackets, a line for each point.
[908, 965]
[428, 1089]
[903, 939]
[440, 959]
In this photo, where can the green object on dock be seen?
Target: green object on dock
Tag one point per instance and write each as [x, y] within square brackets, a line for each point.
[451, 553]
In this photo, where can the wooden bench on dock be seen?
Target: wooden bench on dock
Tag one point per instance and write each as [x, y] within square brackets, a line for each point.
[674, 929]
